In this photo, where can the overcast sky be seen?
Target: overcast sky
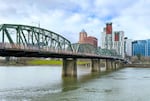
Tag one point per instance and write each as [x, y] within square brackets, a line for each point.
[69, 17]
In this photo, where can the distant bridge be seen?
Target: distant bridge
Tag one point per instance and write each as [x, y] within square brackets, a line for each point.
[29, 41]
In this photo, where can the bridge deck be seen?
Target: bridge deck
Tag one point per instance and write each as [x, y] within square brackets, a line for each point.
[21, 51]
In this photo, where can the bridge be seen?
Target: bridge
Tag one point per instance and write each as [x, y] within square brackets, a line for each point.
[30, 41]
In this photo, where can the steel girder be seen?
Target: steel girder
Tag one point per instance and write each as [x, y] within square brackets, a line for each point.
[106, 52]
[88, 48]
[33, 36]
[84, 48]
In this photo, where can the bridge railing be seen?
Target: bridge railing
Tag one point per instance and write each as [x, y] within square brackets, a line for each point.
[37, 49]
[22, 47]
[32, 48]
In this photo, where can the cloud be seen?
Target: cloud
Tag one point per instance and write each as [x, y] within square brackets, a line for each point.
[134, 20]
[70, 17]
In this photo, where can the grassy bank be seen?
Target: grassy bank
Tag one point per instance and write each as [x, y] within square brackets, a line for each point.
[44, 62]
[52, 62]
[138, 65]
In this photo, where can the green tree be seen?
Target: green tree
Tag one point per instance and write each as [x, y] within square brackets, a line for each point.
[139, 56]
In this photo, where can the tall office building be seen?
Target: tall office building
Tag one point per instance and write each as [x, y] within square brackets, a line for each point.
[108, 37]
[112, 40]
[128, 47]
[103, 38]
[141, 47]
[118, 42]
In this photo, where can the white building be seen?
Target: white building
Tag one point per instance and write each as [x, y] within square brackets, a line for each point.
[128, 47]
[107, 37]
[103, 39]
[118, 42]
[113, 40]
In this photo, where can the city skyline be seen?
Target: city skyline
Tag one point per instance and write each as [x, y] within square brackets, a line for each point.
[68, 18]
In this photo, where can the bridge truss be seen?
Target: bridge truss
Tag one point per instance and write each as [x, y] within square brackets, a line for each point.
[23, 36]
[29, 41]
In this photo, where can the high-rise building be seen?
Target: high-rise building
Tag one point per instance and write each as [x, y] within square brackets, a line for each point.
[84, 39]
[107, 36]
[118, 42]
[103, 39]
[128, 46]
[113, 40]
[108, 40]
[141, 47]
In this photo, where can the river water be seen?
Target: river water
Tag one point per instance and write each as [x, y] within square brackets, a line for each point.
[44, 83]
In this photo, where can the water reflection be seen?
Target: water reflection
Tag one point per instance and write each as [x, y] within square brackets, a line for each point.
[69, 83]
[36, 80]
[46, 84]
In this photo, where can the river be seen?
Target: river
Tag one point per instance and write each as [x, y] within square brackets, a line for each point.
[44, 83]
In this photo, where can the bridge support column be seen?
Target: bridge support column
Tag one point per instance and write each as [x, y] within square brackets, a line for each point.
[113, 65]
[118, 64]
[108, 65]
[95, 65]
[69, 67]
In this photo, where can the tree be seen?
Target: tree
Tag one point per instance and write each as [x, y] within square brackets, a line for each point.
[139, 56]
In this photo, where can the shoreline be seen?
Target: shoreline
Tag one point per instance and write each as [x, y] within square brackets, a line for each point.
[137, 65]
[38, 63]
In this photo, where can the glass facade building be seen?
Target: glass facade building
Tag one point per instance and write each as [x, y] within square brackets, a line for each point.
[141, 47]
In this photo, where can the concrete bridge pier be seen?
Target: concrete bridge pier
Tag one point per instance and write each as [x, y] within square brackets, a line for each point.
[121, 64]
[118, 64]
[108, 65]
[69, 67]
[95, 67]
[113, 65]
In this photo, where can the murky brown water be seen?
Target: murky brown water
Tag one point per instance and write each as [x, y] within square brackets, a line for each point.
[44, 83]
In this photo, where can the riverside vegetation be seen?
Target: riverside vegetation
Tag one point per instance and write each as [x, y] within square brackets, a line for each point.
[39, 62]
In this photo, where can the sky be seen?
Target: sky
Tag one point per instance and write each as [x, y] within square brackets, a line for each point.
[69, 17]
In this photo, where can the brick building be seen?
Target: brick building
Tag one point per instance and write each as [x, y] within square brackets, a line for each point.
[84, 39]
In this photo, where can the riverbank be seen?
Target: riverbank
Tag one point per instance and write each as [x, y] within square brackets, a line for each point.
[35, 62]
[138, 65]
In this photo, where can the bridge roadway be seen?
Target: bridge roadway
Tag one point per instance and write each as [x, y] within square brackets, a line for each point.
[30, 41]
[15, 50]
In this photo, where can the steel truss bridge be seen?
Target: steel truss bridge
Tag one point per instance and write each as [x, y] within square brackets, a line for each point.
[29, 41]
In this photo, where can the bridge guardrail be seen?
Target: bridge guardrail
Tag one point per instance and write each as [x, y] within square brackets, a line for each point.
[45, 49]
